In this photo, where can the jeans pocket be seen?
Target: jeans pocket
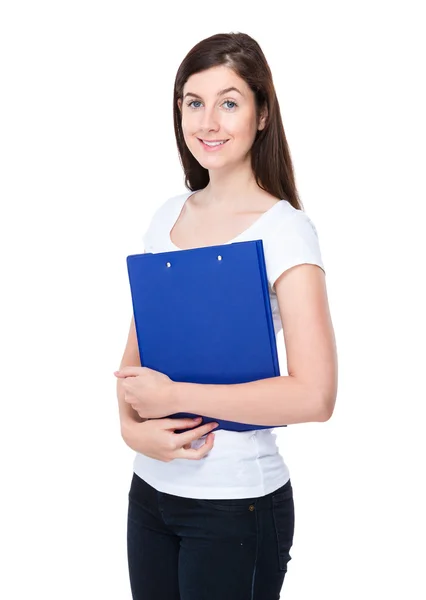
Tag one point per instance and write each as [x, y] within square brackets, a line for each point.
[240, 505]
[283, 513]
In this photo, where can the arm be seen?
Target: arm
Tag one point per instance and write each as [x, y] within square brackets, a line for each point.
[156, 438]
[130, 358]
[309, 391]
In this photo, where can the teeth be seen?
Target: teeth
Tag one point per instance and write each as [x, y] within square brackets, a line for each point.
[214, 143]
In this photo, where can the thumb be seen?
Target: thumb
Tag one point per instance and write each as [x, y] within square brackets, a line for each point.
[128, 372]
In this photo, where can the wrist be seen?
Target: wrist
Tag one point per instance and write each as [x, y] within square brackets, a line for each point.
[178, 393]
[128, 426]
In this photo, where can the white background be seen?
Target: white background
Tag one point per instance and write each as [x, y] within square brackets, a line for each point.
[87, 154]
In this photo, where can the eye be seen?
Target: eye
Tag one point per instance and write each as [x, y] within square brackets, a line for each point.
[230, 102]
[197, 103]
[190, 103]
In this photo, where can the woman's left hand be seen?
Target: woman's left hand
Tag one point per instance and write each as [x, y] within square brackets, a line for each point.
[149, 392]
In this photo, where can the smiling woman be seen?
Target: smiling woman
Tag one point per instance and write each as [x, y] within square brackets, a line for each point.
[228, 117]
[208, 144]
[218, 508]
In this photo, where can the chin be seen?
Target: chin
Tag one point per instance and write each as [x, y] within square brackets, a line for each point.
[214, 165]
[207, 161]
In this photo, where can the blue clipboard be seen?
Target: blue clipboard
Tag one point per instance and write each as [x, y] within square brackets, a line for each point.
[203, 315]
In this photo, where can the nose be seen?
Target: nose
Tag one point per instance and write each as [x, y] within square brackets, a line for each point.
[209, 119]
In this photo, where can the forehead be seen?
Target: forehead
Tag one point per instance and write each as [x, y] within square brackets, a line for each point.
[211, 81]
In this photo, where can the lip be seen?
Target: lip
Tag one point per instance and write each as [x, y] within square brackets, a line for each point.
[212, 148]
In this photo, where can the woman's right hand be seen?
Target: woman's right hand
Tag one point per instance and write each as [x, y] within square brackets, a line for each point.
[157, 439]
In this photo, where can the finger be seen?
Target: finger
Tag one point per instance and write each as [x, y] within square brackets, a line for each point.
[181, 423]
[128, 371]
[192, 454]
[189, 436]
[130, 399]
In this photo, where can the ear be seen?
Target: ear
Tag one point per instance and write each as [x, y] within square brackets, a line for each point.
[179, 103]
[263, 118]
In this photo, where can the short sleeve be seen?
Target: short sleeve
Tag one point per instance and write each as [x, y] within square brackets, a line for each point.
[294, 241]
[150, 236]
[146, 240]
[155, 237]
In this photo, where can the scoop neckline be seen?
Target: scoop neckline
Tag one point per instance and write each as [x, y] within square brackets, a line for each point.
[249, 228]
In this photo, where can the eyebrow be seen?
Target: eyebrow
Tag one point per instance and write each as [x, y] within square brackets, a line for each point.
[225, 91]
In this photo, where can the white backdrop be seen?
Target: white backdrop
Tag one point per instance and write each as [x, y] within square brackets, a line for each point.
[87, 155]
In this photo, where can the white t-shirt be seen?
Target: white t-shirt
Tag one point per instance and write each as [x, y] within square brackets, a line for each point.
[248, 463]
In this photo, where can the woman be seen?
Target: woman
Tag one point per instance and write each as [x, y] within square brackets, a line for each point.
[211, 516]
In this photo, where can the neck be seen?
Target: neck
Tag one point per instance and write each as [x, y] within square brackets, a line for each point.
[231, 188]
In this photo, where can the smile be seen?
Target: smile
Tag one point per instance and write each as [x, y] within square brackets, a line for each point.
[212, 145]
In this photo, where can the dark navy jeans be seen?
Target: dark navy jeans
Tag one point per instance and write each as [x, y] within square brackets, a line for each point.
[187, 549]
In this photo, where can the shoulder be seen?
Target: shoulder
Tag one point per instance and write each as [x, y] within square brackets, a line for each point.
[288, 226]
[294, 221]
[169, 205]
[292, 239]
[161, 219]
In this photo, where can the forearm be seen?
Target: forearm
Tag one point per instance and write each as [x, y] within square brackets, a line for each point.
[126, 413]
[128, 416]
[274, 401]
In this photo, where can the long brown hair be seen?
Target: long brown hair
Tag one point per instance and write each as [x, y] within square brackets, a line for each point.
[270, 154]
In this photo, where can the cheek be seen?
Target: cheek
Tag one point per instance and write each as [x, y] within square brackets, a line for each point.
[190, 125]
[244, 130]
[242, 134]
[241, 126]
